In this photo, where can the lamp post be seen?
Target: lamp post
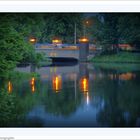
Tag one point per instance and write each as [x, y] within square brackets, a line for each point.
[75, 33]
[32, 40]
[86, 23]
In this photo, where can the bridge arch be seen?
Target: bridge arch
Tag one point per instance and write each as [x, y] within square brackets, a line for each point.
[63, 59]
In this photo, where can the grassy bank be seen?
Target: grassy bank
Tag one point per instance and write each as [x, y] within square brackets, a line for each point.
[122, 57]
[122, 67]
[19, 75]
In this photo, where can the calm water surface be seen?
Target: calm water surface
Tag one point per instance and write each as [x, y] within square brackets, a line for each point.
[83, 95]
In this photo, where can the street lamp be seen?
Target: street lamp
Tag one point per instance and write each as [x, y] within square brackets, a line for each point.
[85, 24]
[56, 42]
[83, 40]
[32, 40]
[75, 33]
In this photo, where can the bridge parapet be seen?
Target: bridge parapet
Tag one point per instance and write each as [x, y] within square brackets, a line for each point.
[60, 53]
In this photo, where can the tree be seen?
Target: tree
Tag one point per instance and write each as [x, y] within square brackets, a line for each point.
[12, 45]
[61, 26]
[105, 30]
[109, 30]
[15, 30]
[129, 28]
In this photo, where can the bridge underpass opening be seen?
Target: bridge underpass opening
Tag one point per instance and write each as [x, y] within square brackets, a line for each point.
[64, 60]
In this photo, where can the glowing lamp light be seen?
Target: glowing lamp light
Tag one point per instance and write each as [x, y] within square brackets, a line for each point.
[87, 22]
[83, 40]
[32, 40]
[56, 41]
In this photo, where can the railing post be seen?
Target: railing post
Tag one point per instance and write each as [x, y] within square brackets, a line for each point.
[83, 49]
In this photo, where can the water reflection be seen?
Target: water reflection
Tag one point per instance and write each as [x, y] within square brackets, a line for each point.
[123, 76]
[53, 69]
[127, 76]
[32, 84]
[10, 86]
[57, 83]
[84, 80]
[89, 96]
[84, 85]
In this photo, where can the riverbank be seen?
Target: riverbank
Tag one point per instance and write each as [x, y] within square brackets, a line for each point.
[122, 57]
[121, 67]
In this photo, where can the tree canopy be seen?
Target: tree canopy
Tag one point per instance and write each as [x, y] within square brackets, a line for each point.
[106, 28]
[115, 28]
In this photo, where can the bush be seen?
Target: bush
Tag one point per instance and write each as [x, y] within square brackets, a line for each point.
[8, 112]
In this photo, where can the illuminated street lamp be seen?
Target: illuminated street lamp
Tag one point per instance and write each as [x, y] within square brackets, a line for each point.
[75, 33]
[33, 40]
[86, 23]
[57, 41]
[83, 40]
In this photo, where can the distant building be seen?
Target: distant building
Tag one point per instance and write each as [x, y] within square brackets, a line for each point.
[129, 47]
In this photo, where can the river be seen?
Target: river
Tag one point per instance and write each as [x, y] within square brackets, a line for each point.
[80, 95]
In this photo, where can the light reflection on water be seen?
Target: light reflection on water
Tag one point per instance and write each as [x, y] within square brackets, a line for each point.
[9, 87]
[124, 76]
[32, 84]
[57, 83]
[88, 96]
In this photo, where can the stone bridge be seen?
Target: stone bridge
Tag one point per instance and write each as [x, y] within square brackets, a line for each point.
[63, 54]
[60, 53]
